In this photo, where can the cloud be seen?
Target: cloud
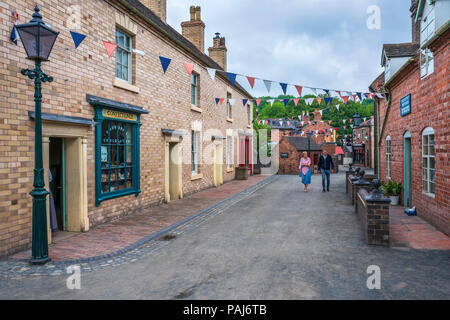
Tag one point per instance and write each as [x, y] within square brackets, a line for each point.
[319, 43]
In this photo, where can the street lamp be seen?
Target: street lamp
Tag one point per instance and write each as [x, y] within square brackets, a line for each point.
[38, 40]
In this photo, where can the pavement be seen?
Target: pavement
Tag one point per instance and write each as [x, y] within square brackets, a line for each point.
[270, 242]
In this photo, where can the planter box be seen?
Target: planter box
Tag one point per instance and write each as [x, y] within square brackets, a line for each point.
[242, 173]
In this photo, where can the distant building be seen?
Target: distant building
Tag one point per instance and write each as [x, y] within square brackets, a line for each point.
[291, 149]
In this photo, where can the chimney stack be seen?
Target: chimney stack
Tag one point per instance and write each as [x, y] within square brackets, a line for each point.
[194, 30]
[158, 7]
[415, 25]
[218, 52]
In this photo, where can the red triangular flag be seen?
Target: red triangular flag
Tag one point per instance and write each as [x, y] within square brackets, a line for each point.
[319, 100]
[110, 47]
[189, 67]
[345, 98]
[350, 120]
[299, 90]
[339, 93]
[258, 102]
[251, 80]
[296, 101]
[329, 122]
[354, 97]
[221, 99]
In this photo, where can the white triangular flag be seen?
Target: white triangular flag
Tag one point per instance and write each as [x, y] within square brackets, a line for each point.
[268, 85]
[344, 121]
[232, 101]
[271, 101]
[337, 107]
[321, 112]
[212, 73]
[314, 91]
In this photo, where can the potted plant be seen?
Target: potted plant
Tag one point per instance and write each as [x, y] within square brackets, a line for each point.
[392, 190]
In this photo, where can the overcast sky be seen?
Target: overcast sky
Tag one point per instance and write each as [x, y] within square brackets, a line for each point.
[317, 43]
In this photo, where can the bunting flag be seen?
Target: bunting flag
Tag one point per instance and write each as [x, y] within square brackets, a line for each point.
[244, 102]
[326, 91]
[110, 47]
[286, 101]
[189, 67]
[328, 110]
[345, 98]
[77, 38]
[360, 96]
[251, 81]
[354, 97]
[299, 90]
[271, 101]
[268, 85]
[139, 52]
[314, 91]
[337, 107]
[14, 35]
[258, 102]
[232, 77]
[284, 87]
[329, 122]
[319, 100]
[221, 100]
[212, 73]
[309, 101]
[165, 62]
[232, 101]
[217, 101]
[328, 100]
[296, 101]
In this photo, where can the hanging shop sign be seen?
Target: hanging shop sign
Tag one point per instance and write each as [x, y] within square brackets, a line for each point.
[405, 105]
[284, 155]
[119, 115]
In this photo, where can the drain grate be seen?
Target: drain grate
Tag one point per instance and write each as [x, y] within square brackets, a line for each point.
[167, 237]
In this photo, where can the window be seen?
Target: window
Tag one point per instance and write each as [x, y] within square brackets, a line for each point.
[428, 166]
[229, 151]
[229, 110]
[194, 89]
[123, 57]
[387, 69]
[195, 151]
[388, 157]
[427, 31]
[249, 115]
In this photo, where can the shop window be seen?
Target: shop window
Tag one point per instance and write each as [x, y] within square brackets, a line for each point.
[428, 161]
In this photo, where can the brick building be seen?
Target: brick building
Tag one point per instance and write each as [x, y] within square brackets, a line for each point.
[291, 149]
[119, 133]
[363, 143]
[322, 131]
[412, 125]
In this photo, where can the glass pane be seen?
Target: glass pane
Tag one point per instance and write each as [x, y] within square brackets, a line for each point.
[424, 186]
[431, 150]
[124, 60]
[129, 155]
[424, 162]
[129, 177]
[113, 151]
[432, 172]
[431, 162]
[424, 174]
[105, 181]
[125, 73]
[127, 44]
[121, 132]
[122, 179]
[432, 188]
[113, 180]
[122, 156]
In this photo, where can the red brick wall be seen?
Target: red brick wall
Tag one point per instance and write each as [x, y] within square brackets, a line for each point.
[430, 108]
[290, 165]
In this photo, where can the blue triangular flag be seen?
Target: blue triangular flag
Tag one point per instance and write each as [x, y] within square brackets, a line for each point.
[217, 100]
[326, 91]
[284, 87]
[328, 110]
[359, 96]
[77, 38]
[244, 102]
[387, 96]
[14, 36]
[232, 77]
[165, 63]
[286, 101]
[328, 100]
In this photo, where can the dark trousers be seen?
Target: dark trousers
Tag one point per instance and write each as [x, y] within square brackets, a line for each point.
[325, 174]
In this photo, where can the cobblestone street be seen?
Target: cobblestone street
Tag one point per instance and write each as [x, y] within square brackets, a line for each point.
[270, 241]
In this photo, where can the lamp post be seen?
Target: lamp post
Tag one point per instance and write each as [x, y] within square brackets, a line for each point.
[38, 40]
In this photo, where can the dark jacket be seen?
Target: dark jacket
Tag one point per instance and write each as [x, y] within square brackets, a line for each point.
[326, 163]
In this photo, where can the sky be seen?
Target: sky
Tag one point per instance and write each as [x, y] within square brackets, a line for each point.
[317, 43]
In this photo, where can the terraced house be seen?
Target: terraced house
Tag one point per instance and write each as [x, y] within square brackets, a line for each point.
[412, 125]
[119, 133]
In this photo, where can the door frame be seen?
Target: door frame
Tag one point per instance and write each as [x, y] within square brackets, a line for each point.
[218, 167]
[177, 140]
[407, 172]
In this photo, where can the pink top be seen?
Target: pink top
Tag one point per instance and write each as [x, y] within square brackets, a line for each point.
[305, 162]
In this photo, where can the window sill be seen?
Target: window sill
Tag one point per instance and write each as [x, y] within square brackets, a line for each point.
[230, 120]
[230, 169]
[196, 176]
[431, 195]
[125, 85]
[196, 109]
[249, 126]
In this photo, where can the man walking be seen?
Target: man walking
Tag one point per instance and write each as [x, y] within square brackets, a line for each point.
[326, 166]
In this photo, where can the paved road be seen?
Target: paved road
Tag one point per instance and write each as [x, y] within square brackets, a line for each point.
[279, 243]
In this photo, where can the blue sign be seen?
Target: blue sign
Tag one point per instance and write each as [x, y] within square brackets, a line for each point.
[405, 105]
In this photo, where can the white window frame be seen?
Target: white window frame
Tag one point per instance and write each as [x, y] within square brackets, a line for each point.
[127, 51]
[427, 31]
[388, 157]
[195, 151]
[428, 162]
[229, 149]
[195, 80]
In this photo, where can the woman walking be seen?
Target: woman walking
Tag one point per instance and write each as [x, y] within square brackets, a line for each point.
[305, 170]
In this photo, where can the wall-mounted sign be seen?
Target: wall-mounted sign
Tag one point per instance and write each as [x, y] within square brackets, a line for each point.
[119, 115]
[284, 155]
[405, 105]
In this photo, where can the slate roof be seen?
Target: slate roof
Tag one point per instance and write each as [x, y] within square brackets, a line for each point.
[282, 124]
[398, 50]
[301, 143]
[175, 36]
